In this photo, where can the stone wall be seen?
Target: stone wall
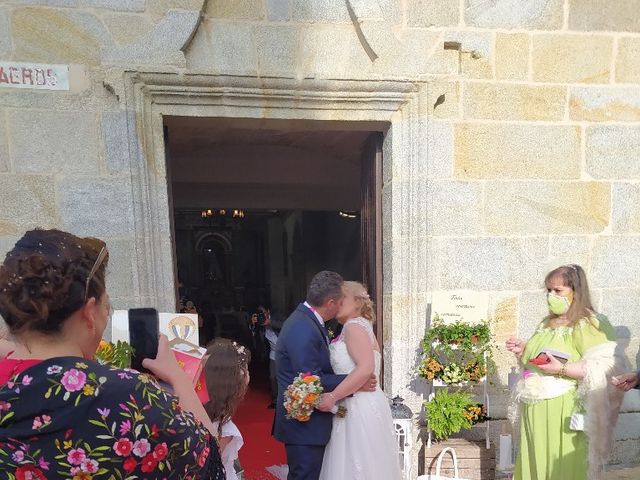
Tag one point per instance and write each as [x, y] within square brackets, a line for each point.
[532, 136]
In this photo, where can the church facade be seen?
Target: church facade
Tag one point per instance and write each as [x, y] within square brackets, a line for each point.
[511, 140]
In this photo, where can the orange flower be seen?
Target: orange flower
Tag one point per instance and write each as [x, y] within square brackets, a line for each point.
[309, 379]
[310, 398]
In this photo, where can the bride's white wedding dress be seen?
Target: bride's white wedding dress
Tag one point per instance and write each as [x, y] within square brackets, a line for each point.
[363, 445]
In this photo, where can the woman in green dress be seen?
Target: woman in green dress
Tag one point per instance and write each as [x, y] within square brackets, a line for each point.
[570, 394]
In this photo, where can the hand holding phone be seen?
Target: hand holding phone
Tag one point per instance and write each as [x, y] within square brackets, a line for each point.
[144, 329]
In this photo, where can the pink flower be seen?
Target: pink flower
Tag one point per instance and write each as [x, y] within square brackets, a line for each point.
[43, 464]
[46, 419]
[141, 448]
[18, 456]
[124, 376]
[123, 447]
[73, 380]
[76, 456]
[125, 427]
[526, 374]
[89, 466]
[26, 380]
[37, 423]
[4, 406]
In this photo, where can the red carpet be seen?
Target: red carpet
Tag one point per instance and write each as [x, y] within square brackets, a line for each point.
[254, 420]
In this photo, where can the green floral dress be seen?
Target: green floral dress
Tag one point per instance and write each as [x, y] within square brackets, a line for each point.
[549, 448]
[66, 418]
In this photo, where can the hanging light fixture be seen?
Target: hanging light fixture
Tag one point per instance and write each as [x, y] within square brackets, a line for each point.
[348, 214]
[235, 213]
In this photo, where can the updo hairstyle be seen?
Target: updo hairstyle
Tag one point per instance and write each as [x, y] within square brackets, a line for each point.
[43, 279]
[367, 307]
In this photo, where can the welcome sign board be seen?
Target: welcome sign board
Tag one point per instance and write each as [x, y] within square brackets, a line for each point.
[459, 306]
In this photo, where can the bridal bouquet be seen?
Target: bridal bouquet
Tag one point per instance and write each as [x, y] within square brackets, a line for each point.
[303, 396]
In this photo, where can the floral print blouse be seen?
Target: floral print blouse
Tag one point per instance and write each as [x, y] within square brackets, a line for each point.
[72, 419]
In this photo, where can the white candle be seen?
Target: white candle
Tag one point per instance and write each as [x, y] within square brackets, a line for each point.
[505, 460]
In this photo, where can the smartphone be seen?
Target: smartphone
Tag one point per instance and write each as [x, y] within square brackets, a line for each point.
[541, 359]
[144, 326]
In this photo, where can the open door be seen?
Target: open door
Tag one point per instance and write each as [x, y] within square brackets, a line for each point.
[371, 224]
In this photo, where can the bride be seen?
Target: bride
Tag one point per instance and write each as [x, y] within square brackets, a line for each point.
[363, 444]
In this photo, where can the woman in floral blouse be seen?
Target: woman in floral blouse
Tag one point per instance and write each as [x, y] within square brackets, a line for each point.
[64, 416]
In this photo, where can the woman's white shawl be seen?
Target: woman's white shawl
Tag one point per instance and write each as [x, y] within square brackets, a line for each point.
[601, 401]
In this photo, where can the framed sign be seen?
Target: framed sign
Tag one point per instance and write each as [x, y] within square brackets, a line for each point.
[459, 306]
[181, 326]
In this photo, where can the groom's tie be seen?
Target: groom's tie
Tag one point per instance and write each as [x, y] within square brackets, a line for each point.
[326, 333]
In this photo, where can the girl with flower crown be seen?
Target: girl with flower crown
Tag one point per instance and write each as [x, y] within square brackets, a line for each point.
[568, 405]
[227, 378]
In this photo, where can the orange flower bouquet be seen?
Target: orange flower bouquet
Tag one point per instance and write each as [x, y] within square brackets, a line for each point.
[303, 396]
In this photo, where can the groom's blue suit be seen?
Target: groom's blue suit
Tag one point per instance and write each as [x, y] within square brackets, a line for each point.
[303, 346]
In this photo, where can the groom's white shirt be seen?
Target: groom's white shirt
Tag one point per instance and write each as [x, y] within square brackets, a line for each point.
[320, 319]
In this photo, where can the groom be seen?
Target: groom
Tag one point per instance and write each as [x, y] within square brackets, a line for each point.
[303, 346]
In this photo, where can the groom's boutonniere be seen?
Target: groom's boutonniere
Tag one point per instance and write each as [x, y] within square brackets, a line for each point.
[331, 334]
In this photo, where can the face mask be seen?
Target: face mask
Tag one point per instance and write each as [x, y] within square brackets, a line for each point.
[558, 305]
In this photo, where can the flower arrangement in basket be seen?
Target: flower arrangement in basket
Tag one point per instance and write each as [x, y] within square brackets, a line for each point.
[450, 412]
[303, 396]
[457, 353]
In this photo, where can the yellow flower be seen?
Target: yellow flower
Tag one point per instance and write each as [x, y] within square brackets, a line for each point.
[88, 390]
[81, 365]
[144, 378]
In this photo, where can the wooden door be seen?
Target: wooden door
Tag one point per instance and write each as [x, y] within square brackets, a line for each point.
[371, 225]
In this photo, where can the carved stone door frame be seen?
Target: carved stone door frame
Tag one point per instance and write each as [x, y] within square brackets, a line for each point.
[149, 96]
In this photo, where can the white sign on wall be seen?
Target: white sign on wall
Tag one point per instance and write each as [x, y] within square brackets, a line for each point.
[459, 306]
[182, 326]
[36, 76]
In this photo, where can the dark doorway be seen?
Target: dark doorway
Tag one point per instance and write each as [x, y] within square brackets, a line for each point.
[260, 206]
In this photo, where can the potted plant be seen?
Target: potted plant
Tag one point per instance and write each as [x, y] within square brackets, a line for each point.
[450, 412]
[456, 354]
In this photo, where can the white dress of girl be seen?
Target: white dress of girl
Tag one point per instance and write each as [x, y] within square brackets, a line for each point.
[363, 444]
[230, 452]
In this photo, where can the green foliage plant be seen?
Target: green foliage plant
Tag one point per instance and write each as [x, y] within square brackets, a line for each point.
[446, 413]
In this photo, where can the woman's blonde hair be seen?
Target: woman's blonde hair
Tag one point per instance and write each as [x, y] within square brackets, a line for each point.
[367, 307]
[574, 277]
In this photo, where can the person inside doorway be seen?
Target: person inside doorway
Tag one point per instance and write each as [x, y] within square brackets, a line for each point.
[270, 324]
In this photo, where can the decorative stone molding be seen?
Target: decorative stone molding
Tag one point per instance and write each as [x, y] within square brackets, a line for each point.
[402, 106]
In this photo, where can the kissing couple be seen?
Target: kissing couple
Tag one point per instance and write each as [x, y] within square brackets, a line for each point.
[362, 444]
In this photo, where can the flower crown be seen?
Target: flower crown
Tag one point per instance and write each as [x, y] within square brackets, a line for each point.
[239, 348]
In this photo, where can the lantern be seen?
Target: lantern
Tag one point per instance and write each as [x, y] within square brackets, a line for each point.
[403, 426]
